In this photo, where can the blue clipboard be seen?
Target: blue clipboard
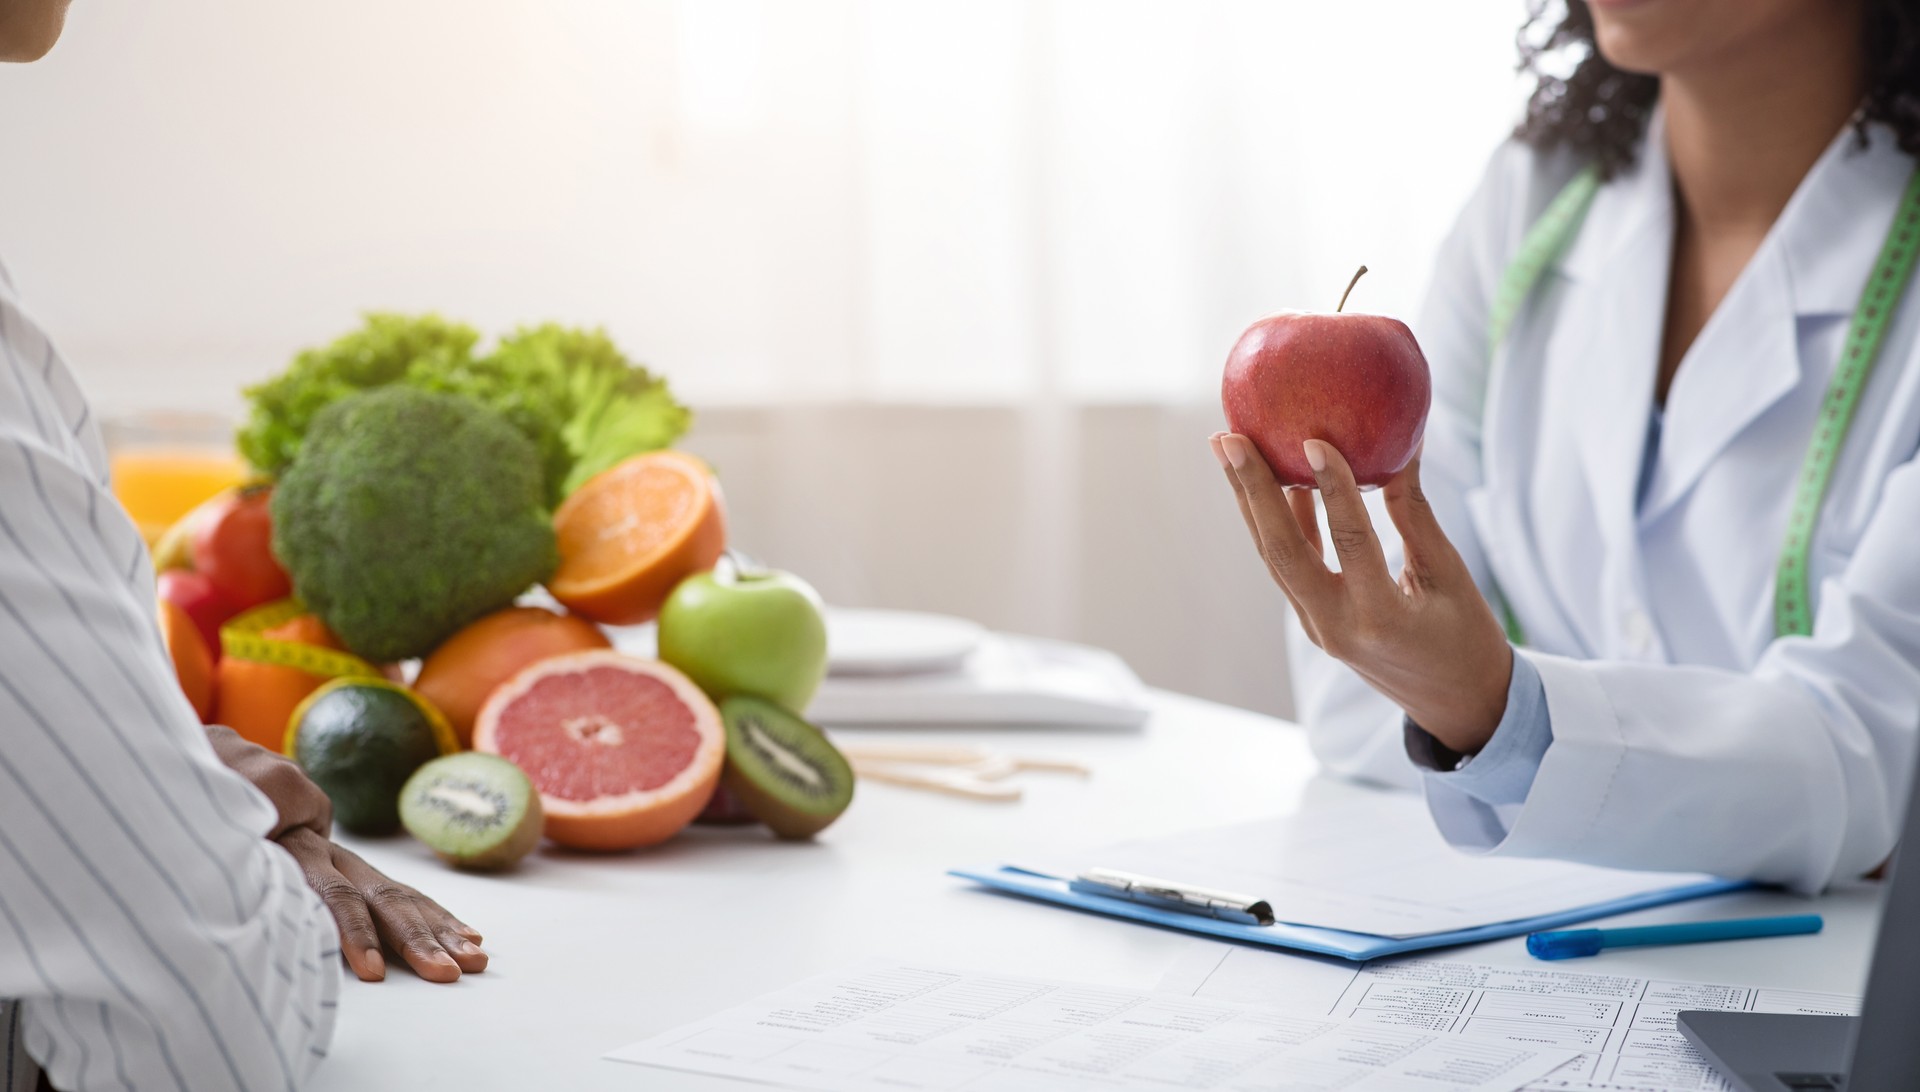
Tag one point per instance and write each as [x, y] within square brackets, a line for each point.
[1306, 938]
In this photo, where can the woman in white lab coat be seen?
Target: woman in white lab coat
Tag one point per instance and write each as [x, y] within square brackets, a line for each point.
[1632, 627]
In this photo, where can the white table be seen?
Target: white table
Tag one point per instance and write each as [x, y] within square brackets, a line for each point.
[591, 953]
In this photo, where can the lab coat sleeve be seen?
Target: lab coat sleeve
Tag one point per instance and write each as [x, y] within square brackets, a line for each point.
[1503, 771]
[1354, 731]
[1795, 773]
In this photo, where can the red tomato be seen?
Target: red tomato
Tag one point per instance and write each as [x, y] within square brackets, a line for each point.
[196, 596]
[233, 546]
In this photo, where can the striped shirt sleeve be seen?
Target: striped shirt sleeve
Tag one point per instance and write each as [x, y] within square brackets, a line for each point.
[18, 1073]
[151, 935]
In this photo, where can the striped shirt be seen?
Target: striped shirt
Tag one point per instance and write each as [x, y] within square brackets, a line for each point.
[150, 936]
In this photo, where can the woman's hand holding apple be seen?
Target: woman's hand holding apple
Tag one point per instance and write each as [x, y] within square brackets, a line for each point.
[1429, 641]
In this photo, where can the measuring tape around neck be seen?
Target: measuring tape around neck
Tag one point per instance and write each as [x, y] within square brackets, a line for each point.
[1549, 238]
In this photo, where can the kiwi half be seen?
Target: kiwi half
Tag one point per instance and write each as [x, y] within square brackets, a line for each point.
[475, 810]
[783, 769]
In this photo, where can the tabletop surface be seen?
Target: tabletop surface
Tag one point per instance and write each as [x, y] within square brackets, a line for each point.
[591, 953]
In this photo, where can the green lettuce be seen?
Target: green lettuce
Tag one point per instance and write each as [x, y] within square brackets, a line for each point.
[572, 392]
[386, 346]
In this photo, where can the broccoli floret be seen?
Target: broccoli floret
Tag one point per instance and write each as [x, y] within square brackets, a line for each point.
[408, 514]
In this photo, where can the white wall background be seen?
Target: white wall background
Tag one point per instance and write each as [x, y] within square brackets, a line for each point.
[1032, 204]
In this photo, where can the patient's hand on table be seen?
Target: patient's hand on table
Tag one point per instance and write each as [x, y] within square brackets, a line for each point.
[1428, 641]
[295, 798]
[370, 908]
[367, 906]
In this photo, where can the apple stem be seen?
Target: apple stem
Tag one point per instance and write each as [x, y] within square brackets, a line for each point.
[739, 564]
[1361, 272]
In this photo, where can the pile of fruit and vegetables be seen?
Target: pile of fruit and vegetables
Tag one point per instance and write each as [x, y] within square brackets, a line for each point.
[370, 603]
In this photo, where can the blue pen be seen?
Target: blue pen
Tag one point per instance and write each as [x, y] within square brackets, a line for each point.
[1572, 943]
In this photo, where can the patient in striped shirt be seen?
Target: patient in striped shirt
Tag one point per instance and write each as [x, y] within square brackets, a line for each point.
[172, 912]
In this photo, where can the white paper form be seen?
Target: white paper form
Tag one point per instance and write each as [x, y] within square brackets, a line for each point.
[894, 1026]
[1368, 864]
[1622, 1026]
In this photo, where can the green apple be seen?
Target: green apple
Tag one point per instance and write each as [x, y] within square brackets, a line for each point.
[739, 630]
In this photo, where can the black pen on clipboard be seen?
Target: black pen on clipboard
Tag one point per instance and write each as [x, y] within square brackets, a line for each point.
[1167, 895]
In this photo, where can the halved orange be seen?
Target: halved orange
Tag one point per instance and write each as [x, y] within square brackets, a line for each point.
[633, 532]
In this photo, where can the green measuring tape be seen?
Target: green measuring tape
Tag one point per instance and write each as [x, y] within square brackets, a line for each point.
[1549, 238]
[1792, 605]
[1546, 240]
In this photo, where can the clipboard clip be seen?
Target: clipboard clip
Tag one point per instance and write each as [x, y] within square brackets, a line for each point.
[1168, 895]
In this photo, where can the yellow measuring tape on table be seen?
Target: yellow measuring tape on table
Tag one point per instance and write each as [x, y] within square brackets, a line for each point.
[244, 638]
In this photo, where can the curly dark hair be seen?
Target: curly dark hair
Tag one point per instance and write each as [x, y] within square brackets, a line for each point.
[1599, 111]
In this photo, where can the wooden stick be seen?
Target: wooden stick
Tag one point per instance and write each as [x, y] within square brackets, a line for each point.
[953, 786]
[937, 755]
[926, 754]
[1054, 765]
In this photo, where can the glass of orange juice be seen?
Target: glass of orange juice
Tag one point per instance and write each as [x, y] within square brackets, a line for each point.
[165, 464]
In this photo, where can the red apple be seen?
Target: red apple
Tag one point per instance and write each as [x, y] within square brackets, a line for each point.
[195, 595]
[1359, 382]
[233, 546]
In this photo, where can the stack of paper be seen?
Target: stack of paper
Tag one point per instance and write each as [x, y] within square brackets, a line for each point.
[1621, 1026]
[900, 1026]
[1024, 681]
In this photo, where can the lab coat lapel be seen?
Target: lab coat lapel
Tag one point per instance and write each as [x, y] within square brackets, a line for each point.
[1744, 360]
[1610, 332]
[1811, 268]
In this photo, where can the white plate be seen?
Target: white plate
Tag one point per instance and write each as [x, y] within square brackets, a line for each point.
[898, 642]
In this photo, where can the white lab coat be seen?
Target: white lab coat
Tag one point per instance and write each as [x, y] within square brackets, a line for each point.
[1685, 736]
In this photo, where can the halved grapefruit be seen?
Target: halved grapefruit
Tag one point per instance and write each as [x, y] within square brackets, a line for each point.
[634, 531]
[458, 676]
[625, 751]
